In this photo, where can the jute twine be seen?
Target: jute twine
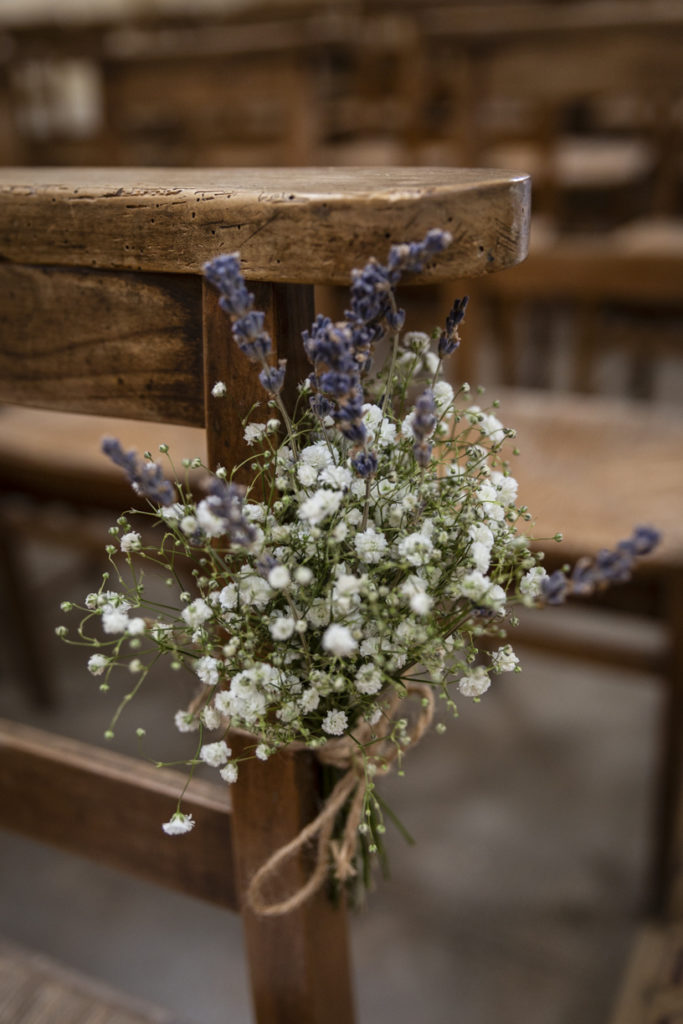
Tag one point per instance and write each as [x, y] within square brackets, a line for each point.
[346, 754]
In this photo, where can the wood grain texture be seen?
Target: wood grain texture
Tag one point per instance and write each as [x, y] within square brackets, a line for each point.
[296, 225]
[299, 963]
[592, 468]
[88, 341]
[108, 807]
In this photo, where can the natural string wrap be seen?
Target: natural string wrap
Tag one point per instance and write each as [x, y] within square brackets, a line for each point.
[346, 754]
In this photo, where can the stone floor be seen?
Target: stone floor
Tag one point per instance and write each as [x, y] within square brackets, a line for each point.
[517, 904]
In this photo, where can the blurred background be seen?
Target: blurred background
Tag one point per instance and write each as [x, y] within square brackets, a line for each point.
[546, 816]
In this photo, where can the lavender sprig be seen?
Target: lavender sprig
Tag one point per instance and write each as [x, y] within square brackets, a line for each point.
[609, 566]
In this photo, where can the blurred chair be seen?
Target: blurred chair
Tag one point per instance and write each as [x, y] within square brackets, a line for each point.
[119, 277]
[594, 465]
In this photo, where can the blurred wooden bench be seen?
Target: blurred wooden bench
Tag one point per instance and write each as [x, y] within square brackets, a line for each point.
[105, 312]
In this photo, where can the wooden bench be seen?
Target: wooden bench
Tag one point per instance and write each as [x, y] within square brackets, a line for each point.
[105, 312]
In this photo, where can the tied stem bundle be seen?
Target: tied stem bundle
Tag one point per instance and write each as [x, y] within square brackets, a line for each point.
[347, 754]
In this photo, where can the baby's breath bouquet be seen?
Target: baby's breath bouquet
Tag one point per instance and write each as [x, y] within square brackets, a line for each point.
[377, 555]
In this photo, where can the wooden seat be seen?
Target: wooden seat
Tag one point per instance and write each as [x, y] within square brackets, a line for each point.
[105, 312]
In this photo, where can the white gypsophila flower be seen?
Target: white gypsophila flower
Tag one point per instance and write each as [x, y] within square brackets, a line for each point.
[319, 613]
[210, 717]
[161, 631]
[215, 754]
[189, 525]
[279, 578]
[338, 477]
[480, 533]
[320, 505]
[219, 390]
[97, 663]
[346, 585]
[488, 496]
[179, 824]
[339, 641]
[272, 425]
[531, 584]
[335, 723]
[185, 721]
[253, 512]
[504, 659]
[213, 525]
[421, 603]
[443, 395]
[253, 432]
[196, 613]
[506, 487]
[282, 627]
[354, 516]
[130, 542]
[370, 545]
[416, 548]
[136, 626]
[407, 426]
[262, 752]
[309, 700]
[303, 575]
[475, 682]
[480, 556]
[368, 679]
[474, 585]
[307, 475]
[369, 647]
[230, 773]
[206, 668]
[114, 620]
[487, 423]
[340, 531]
[319, 455]
[171, 513]
[227, 597]
[254, 590]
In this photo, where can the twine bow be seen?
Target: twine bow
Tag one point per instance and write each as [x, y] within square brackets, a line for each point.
[346, 754]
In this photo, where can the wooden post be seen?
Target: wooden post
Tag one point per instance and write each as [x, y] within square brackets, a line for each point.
[298, 963]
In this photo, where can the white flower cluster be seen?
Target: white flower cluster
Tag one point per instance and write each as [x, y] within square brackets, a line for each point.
[345, 569]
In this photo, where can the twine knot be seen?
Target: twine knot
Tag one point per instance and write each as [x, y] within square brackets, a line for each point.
[348, 754]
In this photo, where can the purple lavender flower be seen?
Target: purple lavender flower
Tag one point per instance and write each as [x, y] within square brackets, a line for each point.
[224, 274]
[146, 478]
[365, 464]
[273, 377]
[423, 423]
[237, 302]
[449, 340]
[225, 501]
[609, 566]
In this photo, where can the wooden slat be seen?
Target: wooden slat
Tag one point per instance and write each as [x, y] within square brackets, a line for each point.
[579, 458]
[299, 225]
[49, 454]
[116, 344]
[34, 989]
[109, 807]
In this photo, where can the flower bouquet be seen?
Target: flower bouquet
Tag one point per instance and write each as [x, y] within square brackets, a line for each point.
[372, 565]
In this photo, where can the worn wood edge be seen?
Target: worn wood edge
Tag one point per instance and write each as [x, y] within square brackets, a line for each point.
[110, 806]
[291, 226]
